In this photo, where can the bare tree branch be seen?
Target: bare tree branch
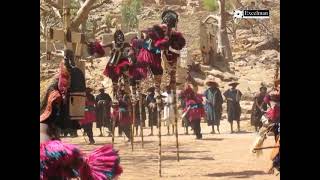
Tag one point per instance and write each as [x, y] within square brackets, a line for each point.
[100, 4]
[56, 11]
[82, 14]
[53, 4]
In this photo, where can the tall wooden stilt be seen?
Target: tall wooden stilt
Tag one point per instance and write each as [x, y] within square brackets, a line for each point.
[140, 109]
[133, 113]
[115, 102]
[113, 128]
[159, 128]
[176, 121]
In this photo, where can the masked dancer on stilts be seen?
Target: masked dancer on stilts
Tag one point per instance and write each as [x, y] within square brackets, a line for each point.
[170, 57]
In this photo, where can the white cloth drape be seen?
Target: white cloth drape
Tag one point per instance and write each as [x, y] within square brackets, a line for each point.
[168, 112]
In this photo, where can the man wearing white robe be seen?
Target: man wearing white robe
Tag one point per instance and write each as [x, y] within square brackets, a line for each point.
[168, 111]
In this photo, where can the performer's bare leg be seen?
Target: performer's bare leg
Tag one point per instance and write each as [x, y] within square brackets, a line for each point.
[212, 132]
[137, 130]
[231, 125]
[238, 125]
[157, 84]
[151, 134]
[115, 88]
[119, 131]
[218, 129]
[168, 128]
[101, 135]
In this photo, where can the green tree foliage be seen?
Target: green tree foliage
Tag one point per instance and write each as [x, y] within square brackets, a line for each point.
[130, 11]
[210, 5]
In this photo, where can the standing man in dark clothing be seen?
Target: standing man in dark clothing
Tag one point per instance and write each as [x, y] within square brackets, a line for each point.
[213, 104]
[89, 116]
[152, 109]
[122, 113]
[103, 111]
[233, 97]
[258, 108]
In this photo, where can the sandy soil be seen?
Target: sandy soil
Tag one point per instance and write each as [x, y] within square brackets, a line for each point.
[222, 156]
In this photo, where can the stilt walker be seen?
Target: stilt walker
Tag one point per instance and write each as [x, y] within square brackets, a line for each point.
[150, 55]
[118, 66]
[170, 57]
[137, 72]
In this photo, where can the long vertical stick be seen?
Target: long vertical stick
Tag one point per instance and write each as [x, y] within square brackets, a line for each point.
[133, 103]
[159, 128]
[66, 19]
[176, 120]
[113, 128]
[140, 112]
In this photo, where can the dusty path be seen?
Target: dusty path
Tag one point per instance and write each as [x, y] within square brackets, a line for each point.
[218, 156]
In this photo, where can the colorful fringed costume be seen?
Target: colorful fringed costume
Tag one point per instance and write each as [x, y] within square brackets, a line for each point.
[89, 115]
[119, 62]
[270, 120]
[122, 113]
[61, 160]
[194, 109]
[176, 43]
[150, 55]
[54, 108]
[137, 70]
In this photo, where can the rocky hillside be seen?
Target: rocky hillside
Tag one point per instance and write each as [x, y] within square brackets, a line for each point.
[255, 53]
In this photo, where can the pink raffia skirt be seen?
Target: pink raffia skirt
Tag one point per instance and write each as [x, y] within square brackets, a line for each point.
[115, 71]
[138, 71]
[58, 159]
[89, 117]
[146, 57]
[122, 120]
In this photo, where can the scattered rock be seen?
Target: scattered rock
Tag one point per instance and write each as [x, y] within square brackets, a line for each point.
[269, 43]
[242, 63]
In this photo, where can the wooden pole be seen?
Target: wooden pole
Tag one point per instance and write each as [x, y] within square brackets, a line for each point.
[113, 128]
[140, 109]
[66, 19]
[132, 112]
[176, 120]
[134, 120]
[159, 129]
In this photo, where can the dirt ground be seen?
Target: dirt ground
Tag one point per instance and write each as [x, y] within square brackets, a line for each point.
[222, 156]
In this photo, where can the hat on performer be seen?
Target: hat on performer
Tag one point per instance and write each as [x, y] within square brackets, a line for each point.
[210, 81]
[118, 36]
[170, 18]
[234, 83]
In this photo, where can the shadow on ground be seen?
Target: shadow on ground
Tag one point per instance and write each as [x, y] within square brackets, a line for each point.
[212, 139]
[182, 151]
[174, 158]
[241, 174]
